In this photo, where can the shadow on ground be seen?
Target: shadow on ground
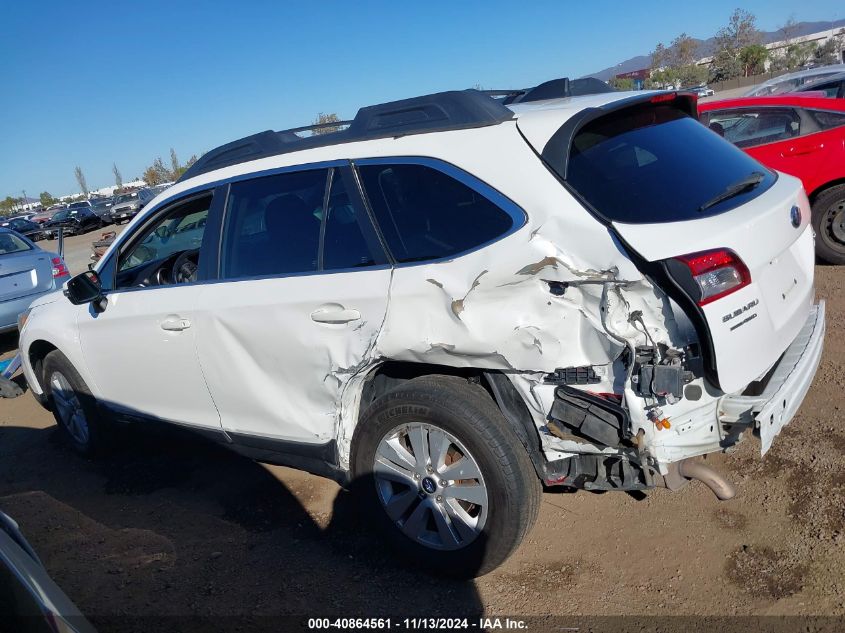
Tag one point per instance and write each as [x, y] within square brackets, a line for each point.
[171, 526]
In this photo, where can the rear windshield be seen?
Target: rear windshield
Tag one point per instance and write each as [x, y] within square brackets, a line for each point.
[10, 243]
[657, 164]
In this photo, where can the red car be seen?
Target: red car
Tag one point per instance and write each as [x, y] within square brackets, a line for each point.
[802, 135]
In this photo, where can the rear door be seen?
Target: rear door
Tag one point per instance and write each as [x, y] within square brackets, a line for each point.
[670, 188]
[784, 138]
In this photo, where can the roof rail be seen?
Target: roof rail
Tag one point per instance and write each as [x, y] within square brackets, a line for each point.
[439, 112]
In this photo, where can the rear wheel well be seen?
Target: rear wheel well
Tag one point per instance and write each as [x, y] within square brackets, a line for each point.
[392, 374]
[825, 187]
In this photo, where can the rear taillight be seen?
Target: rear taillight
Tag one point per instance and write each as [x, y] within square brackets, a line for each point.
[718, 273]
[59, 268]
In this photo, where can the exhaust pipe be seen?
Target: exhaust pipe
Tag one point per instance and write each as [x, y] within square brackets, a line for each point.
[694, 469]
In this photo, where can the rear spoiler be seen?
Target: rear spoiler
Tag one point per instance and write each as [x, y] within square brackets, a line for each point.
[556, 151]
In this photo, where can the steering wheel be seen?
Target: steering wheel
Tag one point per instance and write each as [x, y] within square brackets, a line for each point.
[185, 267]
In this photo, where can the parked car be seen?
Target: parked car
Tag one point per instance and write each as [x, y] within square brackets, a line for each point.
[833, 86]
[30, 601]
[102, 207]
[791, 82]
[26, 273]
[47, 214]
[74, 221]
[801, 135]
[27, 228]
[127, 205]
[703, 91]
[451, 301]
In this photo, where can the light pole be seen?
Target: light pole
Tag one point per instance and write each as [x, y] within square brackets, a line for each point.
[24, 200]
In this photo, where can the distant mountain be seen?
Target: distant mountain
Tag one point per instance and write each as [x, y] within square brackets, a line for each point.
[706, 48]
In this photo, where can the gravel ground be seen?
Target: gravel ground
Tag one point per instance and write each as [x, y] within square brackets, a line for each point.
[170, 526]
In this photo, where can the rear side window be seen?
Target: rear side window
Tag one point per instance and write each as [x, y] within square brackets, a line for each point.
[828, 120]
[749, 127]
[344, 244]
[652, 163]
[273, 225]
[425, 214]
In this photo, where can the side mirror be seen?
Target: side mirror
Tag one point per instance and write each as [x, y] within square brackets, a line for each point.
[86, 288]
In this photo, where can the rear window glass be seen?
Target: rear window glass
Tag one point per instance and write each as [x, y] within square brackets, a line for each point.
[10, 243]
[657, 164]
[426, 214]
[828, 120]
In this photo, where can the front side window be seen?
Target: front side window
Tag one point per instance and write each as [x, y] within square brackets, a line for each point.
[167, 251]
[425, 214]
[749, 127]
[273, 225]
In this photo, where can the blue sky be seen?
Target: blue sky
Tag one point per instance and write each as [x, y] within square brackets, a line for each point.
[89, 83]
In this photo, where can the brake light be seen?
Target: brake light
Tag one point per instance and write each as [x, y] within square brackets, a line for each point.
[718, 273]
[59, 268]
[664, 97]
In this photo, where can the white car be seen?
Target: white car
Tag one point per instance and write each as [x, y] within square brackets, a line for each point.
[791, 82]
[450, 302]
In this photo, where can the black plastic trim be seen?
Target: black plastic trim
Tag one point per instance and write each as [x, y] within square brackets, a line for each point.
[439, 112]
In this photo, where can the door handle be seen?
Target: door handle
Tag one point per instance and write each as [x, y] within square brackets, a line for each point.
[334, 313]
[799, 150]
[175, 324]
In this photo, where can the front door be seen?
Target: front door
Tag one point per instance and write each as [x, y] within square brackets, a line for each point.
[301, 297]
[141, 349]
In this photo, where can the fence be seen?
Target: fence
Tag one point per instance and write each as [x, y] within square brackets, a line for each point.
[742, 82]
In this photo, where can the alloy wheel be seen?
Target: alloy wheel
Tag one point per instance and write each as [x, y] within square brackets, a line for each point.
[69, 408]
[430, 486]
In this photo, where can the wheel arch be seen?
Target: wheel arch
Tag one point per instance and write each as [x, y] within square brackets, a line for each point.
[824, 187]
[390, 375]
[36, 354]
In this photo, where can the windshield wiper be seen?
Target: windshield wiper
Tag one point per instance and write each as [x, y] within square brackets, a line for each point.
[746, 184]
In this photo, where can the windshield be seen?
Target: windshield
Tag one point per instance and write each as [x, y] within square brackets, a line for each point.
[126, 197]
[650, 163]
[62, 215]
[78, 205]
[11, 243]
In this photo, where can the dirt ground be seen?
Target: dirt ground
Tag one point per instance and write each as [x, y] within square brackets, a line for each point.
[171, 526]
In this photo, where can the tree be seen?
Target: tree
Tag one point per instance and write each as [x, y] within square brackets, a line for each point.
[326, 118]
[46, 199]
[176, 170]
[80, 178]
[621, 83]
[675, 66]
[753, 59]
[118, 179]
[740, 32]
[8, 204]
[156, 173]
[828, 53]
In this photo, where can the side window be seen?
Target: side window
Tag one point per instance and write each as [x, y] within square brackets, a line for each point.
[749, 127]
[426, 214]
[344, 245]
[273, 225]
[828, 120]
[150, 259]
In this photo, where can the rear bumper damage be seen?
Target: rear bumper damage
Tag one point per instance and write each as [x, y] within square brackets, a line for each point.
[618, 456]
[786, 387]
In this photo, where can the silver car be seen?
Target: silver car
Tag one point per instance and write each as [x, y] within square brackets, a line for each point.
[26, 273]
[790, 82]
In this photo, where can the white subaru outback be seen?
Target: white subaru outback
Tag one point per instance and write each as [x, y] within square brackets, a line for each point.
[451, 300]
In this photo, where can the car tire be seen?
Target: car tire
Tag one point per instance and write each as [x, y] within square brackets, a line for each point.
[470, 525]
[73, 405]
[829, 224]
